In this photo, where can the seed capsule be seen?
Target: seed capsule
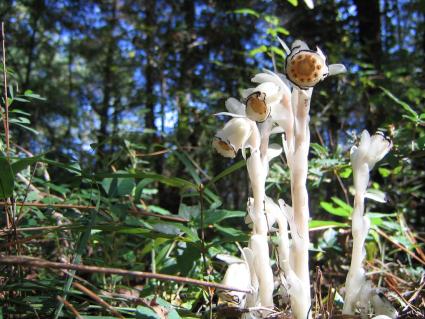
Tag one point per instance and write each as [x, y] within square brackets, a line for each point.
[224, 148]
[305, 68]
[256, 107]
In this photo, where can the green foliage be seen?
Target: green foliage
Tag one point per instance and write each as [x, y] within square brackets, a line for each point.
[7, 180]
[110, 115]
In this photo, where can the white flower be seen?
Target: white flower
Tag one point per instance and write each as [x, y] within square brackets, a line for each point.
[305, 68]
[232, 137]
[259, 100]
[371, 149]
[237, 275]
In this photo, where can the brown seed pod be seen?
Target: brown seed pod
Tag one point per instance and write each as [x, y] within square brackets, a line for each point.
[224, 148]
[256, 107]
[305, 68]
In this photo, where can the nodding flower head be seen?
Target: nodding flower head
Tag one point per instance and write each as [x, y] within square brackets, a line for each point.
[371, 149]
[305, 68]
[260, 99]
[232, 137]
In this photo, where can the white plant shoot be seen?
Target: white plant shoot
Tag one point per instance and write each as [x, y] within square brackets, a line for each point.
[371, 149]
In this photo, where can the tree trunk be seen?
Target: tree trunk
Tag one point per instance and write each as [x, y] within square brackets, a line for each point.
[369, 18]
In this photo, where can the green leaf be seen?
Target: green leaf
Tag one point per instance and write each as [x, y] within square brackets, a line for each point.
[189, 166]
[22, 163]
[19, 99]
[278, 51]
[31, 94]
[170, 181]
[293, 2]
[403, 104]
[273, 20]
[342, 204]
[171, 312]
[322, 224]
[227, 171]
[146, 313]
[319, 150]
[346, 172]
[139, 188]
[385, 172]
[337, 211]
[7, 180]
[282, 30]
[260, 49]
[118, 186]
[216, 216]
[247, 11]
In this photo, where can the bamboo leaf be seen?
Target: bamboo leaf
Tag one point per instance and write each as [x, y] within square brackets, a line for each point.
[7, 180]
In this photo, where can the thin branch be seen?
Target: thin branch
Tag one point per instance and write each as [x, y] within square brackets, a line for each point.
[70, 307]
[43, 205]
[380, 232]
[96, 298]
[42, 263]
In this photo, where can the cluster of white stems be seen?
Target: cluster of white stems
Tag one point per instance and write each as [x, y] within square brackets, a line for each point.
[280, 104]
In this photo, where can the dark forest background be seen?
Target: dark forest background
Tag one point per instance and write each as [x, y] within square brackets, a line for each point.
[131, 86]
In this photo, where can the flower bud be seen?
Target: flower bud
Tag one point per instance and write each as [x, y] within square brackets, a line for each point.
[232, 137]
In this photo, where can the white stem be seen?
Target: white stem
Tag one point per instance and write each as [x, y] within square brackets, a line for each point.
[260, 248]
[356, 274]
[257, 172]
[299, 169]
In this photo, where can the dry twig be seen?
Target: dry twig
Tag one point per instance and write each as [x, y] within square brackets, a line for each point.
[42, 263]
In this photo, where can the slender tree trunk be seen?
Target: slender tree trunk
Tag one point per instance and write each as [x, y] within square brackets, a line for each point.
[369, 18]
[150, 69]
[107, 89]
[37, 10]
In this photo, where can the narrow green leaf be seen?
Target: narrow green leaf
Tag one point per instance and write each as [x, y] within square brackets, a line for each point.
[216, 216]
[146, 313]
[170, 181]
[403, 104]
[7, 180]
[189, 166]
[260, 49]
[247, 11]
[322, 224]
[227, 171]
[278, 51]
[282, 30]
[337, 211]
[342, 204]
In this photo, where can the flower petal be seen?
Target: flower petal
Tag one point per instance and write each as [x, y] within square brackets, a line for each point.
[234, 106]
[309, 4]
[284, 46]
[376, 195]
[233, 136]
[299, 45]
[230, 114]
[335, 69]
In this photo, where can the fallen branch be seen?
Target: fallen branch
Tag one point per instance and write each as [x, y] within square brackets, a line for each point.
[407, 251]
[96, 298]
[70, 307]
[27, 261]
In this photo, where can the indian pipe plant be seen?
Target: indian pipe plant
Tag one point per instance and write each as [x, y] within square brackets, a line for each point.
[280, 104]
